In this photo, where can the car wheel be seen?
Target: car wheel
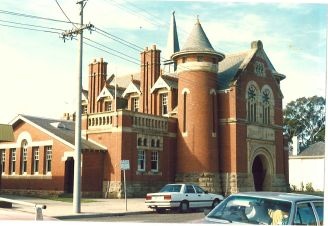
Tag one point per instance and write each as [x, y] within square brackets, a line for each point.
[215, 203]
[184, 206]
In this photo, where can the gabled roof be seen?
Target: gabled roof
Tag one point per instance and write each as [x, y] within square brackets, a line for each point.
[124, 80]
[317, 149]
[62, 130]
[109, 91]
[230, 67]
[165, 81]
[133, 87]
[106, 92]
[84, 95]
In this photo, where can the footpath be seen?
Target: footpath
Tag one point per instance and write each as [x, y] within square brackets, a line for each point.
[89, 207]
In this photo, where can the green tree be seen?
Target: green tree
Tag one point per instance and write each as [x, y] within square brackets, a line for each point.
[305, 118]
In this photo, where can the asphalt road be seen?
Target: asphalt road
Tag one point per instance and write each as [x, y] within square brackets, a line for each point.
[152, 217]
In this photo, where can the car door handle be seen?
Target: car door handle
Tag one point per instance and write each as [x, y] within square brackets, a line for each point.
[186, 195]
[198, 195]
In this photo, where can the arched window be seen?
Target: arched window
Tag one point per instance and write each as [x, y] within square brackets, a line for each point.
[24, 157]
[267, 105]
[252, 103]
[145, 142]
[213, 100]
[139, 141]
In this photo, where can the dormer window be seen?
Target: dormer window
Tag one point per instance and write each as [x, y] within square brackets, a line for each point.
[164, 104]
[200, 58]
[135, 104]
[108, 106]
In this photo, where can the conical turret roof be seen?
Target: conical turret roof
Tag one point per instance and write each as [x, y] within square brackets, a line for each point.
[172, 39]
[198, 42]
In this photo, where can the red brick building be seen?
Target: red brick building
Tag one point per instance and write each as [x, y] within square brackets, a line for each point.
[204, 117]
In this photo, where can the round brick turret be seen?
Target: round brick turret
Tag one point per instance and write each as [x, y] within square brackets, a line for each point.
[197, 68]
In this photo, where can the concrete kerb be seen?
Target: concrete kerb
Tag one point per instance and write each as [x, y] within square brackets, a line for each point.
[96, 215]
[97, 208]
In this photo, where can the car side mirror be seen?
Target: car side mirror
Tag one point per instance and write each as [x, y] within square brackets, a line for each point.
[206, 192]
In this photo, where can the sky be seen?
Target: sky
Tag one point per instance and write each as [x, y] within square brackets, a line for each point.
[39, 70]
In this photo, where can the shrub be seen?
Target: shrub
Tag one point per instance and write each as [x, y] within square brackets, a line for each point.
[309, 187]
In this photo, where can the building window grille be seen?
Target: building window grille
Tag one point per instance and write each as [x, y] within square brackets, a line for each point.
[266, 111]
[164, 103]
[84, 109]
[48, 158]
[36, 157]
[184, 112]
[12, 160]
[135, 104]
[24, 157]
[141, 160]
[3, 161]
[251, 104]
[108, 106]
[154, 161]
[213, 113]
[139, 141]
[145, 142]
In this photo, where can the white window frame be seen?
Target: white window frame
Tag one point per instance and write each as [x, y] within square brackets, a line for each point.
[164, 103]
[24, 157]
[48, 151]
[12, 161]
[36, 160]
[154, 159]
[3, 161]
[108, 106]
[135, 104]
[141, 160]
[84, 109]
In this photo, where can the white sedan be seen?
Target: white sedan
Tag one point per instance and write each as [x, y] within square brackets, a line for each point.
[183, 197]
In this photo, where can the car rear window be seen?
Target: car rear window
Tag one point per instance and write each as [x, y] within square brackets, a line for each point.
[171, 188]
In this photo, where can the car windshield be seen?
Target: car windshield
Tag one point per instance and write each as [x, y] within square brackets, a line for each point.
[252, 210]
[171, 188]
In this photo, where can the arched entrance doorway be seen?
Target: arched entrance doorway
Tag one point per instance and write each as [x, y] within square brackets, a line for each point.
[260, 173]
[69, 175]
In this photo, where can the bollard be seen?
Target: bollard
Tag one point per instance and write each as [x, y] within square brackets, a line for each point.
[38, 212]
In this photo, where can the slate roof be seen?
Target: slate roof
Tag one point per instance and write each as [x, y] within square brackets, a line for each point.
[316, 149]
[197, 42]
[63, 129]
[229, 67]
[172, 39]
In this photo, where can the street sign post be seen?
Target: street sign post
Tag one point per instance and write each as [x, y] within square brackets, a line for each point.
[125, 165]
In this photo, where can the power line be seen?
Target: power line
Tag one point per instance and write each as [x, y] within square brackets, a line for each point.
[118, 39]
[93, 46]
[32, 16]
[31, 25]
[65, 14]
[113, 51]
[30, 29]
